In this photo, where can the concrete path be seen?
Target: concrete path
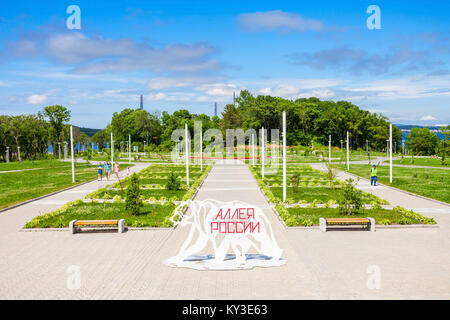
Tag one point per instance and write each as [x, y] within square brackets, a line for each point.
[413, 263]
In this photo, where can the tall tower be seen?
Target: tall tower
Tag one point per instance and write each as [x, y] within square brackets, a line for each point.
[142, 102]
[215, 109]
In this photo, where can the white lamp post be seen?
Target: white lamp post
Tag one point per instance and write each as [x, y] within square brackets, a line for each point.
[112, 149]
[262, 151]
[129, 148]
[284, 156]
[329, 149]
[71, 153]
[187, 153]
[253, 148]
[348, 152]
[390, 153]
[201, 151]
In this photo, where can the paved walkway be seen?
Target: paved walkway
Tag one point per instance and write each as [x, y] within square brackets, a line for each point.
[414, 263]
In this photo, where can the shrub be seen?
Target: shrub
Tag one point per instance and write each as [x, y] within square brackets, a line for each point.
[307, 223]
[295, 181]
[133, 201]
[352, 201]
[331, 174]
[173, 183]
[290, 221]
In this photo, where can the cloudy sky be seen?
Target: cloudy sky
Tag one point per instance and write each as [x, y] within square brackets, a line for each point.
[190, 54]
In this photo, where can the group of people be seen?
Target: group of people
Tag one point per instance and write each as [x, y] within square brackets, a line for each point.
[106, 168]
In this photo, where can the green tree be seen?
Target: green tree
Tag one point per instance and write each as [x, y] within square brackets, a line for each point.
[133, 202]
[58, 116]
[422, 141]
[231, 118]
[351, 201]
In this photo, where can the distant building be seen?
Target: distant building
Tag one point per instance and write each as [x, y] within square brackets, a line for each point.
[142, 102]
[215, 109]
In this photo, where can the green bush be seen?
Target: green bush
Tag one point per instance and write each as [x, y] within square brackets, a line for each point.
[133, 203]
[295, 182]
[173, 183]
[351, 201]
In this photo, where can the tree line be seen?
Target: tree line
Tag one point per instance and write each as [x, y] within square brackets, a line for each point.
[308, 121]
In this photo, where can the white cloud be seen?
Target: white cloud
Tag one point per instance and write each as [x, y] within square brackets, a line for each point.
[277, 20]
[219, 89]
[37, 99]
[98, 54]
[427, 118]
[179, 82]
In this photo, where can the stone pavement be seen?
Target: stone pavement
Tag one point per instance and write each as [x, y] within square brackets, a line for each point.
[413, 263]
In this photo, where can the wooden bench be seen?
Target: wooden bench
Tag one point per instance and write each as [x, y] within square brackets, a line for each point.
[77, 225]
[368, 223]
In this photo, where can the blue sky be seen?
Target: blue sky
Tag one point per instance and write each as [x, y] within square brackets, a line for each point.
[190, 54]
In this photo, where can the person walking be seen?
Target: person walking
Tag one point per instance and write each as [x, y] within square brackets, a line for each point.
[373, 176]
[117, 170]
[108, 170]
[100, 171]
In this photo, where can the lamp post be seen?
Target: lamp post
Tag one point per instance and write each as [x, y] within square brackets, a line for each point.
[284, 156]
[390, 153]
[262, 151]
[112, 149]
[329, 149]
[7, 154]
[71, 154]
[187, 153]
[201, 151]
[348, 152]
[18, 153]
[253, 149]
[59, 150]
[129, 148]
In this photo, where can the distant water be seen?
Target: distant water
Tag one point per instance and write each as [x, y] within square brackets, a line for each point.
[406, 133]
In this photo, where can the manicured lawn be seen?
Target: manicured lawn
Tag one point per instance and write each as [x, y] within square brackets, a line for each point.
[153, 181]
[313, 186]
[432, 183]
[16, 187]
[19, 165]
[430, 162]
[149, 217]
[319, 195]
[310, 216]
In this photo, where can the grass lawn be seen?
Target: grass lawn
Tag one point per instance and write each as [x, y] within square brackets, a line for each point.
[430, 162]
[19, 165]
[432, 183]
[313, 186]
[310, 216]
[79, 210]
[317, 195]
[16, 187]
[153, 181]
